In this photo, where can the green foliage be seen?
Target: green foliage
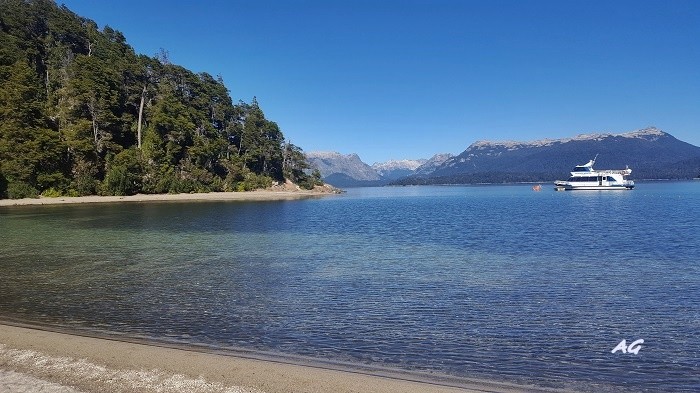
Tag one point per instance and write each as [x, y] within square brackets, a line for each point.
[30, 153]
[254, 181]
[308, 182]
[118, 181]
[83, 182]
[158, 179]
[296, 168]
[19, 190]
[51, 193]
[124, 174]
[81, 113]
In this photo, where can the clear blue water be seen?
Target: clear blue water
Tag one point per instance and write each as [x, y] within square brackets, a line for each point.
[494, 282]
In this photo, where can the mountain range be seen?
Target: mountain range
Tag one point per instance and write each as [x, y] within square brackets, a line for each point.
[650, 152]
[348, 170]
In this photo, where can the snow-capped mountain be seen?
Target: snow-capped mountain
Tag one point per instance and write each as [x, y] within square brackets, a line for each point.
[432, 164]
[650, 152]
[396, 169]
[649, 134]
[331, 163]
[348, 170]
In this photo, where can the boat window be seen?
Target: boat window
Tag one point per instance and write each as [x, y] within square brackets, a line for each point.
[582, 178]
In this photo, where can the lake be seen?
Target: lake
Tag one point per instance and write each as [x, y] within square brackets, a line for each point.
[492, 282]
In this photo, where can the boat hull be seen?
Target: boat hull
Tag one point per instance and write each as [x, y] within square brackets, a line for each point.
[569, 187]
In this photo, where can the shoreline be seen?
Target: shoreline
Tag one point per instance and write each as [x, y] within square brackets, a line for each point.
[258, 195]
[39, 356]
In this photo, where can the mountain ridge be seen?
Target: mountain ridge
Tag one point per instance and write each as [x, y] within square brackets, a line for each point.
[645, 133]
[650, 152]
[348, 170]
[396, 169]
[329, 163]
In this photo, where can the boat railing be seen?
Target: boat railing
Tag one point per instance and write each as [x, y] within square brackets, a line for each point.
[624, 172]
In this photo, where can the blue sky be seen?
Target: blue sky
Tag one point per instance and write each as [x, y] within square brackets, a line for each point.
[408, 79]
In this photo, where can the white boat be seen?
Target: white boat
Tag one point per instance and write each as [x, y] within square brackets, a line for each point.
[584, 177]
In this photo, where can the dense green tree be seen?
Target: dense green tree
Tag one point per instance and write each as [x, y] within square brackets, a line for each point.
[124, 173]
[81, 113]
[296, 168]
[261, 143]
[30, 153]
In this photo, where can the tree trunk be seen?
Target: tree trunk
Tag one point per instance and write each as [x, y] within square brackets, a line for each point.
[94, 129]
[138, 130]
[92, 107]
[47, 84]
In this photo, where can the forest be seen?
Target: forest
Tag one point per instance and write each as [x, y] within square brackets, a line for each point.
[82, 114]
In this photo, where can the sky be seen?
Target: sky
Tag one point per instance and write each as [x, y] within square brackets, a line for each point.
[390, 79]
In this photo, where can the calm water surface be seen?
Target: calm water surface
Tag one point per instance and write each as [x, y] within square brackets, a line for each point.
[495, 282]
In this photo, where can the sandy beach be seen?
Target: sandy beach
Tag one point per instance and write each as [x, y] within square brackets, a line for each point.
[258, 195]
[34, 359]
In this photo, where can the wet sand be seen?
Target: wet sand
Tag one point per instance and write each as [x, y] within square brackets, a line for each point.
[33, 359]
[260, 195]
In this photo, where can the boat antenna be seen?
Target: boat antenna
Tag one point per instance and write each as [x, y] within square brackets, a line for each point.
[595, 158]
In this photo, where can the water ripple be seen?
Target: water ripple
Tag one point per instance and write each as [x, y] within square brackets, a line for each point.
[487, 282]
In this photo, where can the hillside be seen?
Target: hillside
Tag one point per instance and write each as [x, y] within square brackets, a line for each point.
[650, 152]
[81, 113]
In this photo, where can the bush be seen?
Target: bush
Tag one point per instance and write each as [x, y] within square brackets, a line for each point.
[253, 182]
[217, 184]
[119, 181]
[51, 193]
[55, 181]
[232, 181]
[180, 186]
[308, 182]
[158, 179]
[21, 190]
[84, 182]
[83, 185]
[124, 174]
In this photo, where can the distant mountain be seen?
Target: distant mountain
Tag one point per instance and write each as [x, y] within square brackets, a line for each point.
[348, 170]
[432, 164]
[344, 170]
[396, 169]
[650, 152]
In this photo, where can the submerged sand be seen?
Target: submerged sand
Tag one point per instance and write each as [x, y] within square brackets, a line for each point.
[37, 360]
[42, 359]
